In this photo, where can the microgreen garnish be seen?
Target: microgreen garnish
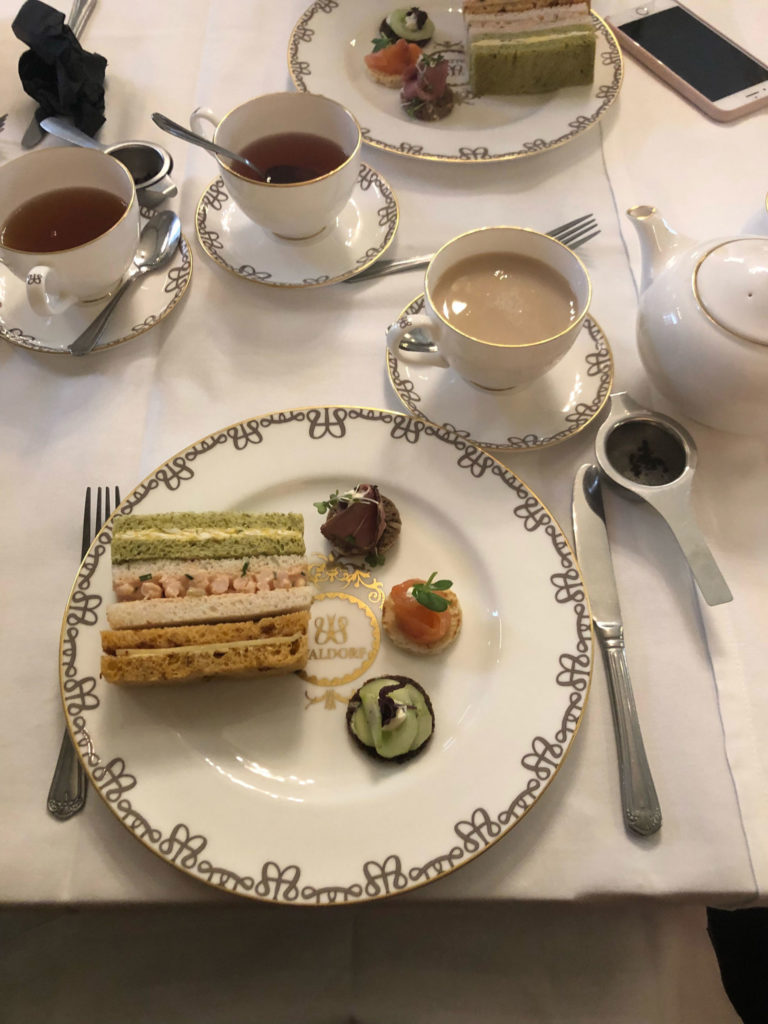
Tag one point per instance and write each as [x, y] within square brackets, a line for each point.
[431, 60]
[374, 559]
[348, 498]
[323, 506]
[425, 594]
[380, 43]
[246, 563]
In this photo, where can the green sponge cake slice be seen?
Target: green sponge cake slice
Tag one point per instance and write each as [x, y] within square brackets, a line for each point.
[186, 535]
[532, 62]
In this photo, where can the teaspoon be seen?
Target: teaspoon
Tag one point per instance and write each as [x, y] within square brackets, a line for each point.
[158, 241]
[417, 340]
[198, 140]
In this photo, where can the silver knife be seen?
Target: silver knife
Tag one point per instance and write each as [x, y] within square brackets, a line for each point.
[78, 17]
[642, 811]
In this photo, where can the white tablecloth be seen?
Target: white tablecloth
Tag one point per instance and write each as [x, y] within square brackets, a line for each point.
[112, 418]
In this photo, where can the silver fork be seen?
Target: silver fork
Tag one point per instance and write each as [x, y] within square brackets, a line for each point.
[69, 784]
[573, 234]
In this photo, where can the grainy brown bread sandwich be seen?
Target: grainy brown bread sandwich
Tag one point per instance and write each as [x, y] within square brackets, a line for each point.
[178, 654]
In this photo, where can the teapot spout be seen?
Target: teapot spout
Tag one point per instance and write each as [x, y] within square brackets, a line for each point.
[658, 241]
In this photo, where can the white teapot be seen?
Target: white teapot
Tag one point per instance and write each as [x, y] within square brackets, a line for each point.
[702, 326]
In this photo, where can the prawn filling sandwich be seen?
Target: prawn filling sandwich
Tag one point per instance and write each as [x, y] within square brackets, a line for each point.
[206, 593]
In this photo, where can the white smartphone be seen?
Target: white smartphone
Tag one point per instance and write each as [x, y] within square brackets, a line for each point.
[693, 57]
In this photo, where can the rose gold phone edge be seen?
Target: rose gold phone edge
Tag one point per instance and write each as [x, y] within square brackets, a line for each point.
[680, 85]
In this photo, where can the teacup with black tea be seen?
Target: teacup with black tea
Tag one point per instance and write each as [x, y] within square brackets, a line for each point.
[69, 225]
[307, 145]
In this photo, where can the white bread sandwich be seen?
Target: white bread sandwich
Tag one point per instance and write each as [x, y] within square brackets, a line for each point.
[206, 593]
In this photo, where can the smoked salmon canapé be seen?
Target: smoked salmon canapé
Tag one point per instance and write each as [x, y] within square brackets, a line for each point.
[422, 616]
[387, 66]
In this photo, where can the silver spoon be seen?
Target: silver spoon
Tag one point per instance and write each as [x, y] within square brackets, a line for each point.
[417, 340]
[158, 241]
[198, 140]
[148, 164]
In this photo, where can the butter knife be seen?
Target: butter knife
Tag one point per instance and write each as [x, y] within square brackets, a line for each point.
[642, 812]
[78, 17]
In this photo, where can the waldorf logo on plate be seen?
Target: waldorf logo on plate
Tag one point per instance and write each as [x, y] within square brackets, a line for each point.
[344, 632]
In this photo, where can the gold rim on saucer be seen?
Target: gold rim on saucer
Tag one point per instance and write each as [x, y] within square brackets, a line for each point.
[581, 403]
[370, 188]
[176, 281]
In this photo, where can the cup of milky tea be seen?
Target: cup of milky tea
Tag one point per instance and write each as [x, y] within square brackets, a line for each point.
[69, 225]
[307, 147]
[502, 306]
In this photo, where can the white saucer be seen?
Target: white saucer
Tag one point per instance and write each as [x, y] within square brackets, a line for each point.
[362, 231]
[144, 305]
[552, 409]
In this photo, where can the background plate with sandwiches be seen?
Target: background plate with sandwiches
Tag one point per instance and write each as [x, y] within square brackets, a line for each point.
[325, 55]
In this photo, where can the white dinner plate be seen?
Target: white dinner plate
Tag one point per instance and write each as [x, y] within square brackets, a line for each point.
[325, 55]
[552, 409]
[255, 787]
[358, 236]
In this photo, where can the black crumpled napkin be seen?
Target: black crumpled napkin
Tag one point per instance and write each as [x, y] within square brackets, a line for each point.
[56, 71]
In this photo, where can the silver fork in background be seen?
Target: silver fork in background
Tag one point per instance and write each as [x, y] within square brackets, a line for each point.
[573, 234]
[69, 784]
[77, 20]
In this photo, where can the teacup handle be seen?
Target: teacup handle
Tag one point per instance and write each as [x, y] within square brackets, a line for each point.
[200, 115]
[42, 294]
[397, 331]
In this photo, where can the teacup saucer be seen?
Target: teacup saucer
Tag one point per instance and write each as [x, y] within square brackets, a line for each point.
[144, 305]
[552, 409]
[362, 231]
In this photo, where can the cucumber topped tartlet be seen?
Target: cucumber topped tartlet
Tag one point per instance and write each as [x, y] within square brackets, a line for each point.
[409, 23]
[391, 718]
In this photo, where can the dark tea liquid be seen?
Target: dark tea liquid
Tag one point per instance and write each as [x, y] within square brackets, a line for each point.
[290, 157]
[61, 219]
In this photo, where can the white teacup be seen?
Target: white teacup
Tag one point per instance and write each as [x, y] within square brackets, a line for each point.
[80, 273]
[299, 209]
[497, 365]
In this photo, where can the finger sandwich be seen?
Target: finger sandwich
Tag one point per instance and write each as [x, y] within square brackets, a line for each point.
[528, 46]
[199, 594]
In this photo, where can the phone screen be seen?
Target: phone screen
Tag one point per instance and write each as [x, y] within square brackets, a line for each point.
[706, 60]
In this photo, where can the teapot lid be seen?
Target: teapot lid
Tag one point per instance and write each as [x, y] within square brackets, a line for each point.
[731, 285]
